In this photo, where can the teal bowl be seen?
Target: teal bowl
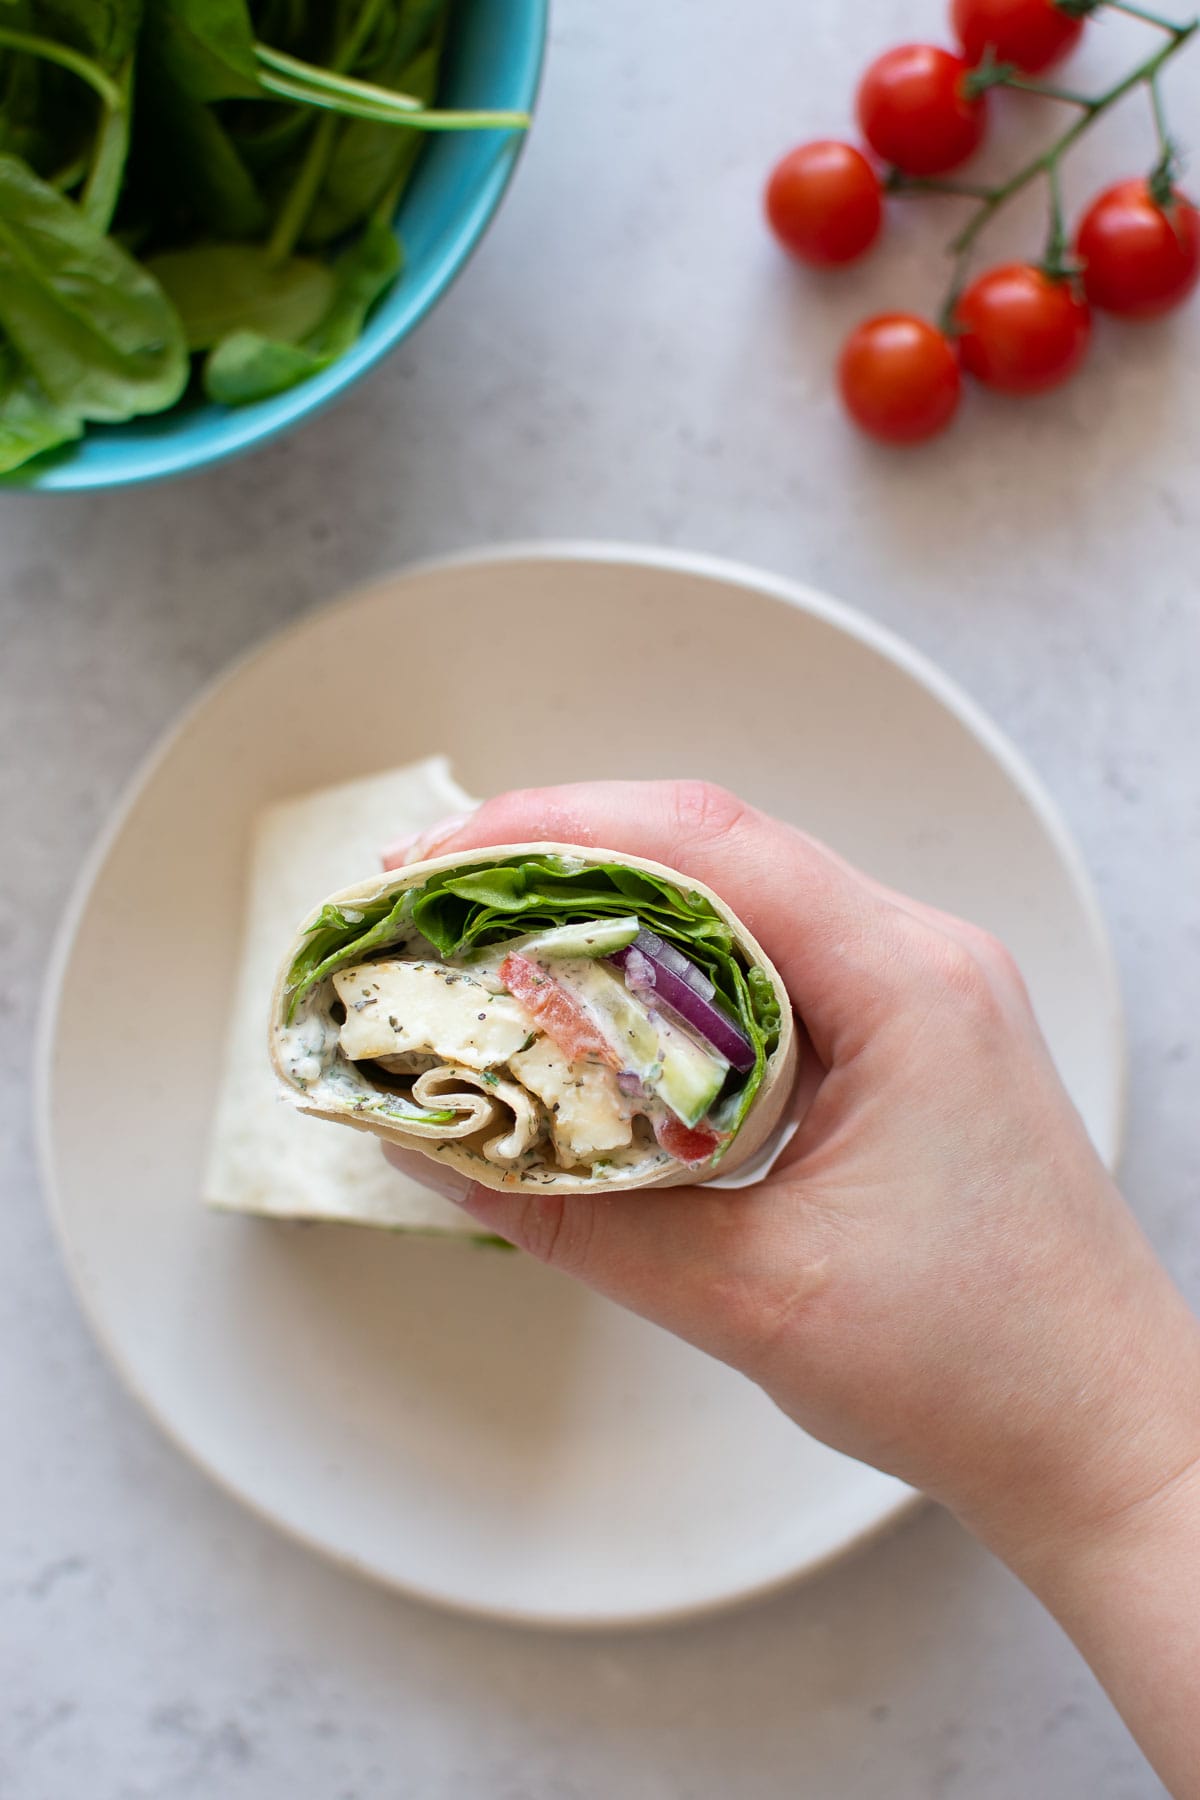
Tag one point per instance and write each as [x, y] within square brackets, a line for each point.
[494, 60]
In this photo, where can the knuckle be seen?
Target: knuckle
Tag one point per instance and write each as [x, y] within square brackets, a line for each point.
[998, 962]
[1000, 959]
[703, 809]
[960, 972]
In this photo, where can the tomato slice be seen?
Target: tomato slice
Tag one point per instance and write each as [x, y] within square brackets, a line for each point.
[558, 1013]
[685, 1144]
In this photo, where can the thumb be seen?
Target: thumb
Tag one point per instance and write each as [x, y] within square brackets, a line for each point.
[598, 1238]
[833, 935]
[702, 1262]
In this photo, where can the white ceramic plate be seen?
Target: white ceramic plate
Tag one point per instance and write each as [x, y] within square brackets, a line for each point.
[456, 1421]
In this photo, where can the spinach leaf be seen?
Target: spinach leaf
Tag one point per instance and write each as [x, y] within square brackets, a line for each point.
[221, 288]
[95, 331]
[189, 164]
[105, 29]
[30, 423]
[213, 137]
[29, 121]
[205, 47]
[248, 366]
[370, 161]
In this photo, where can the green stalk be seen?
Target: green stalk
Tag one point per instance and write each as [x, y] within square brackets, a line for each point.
[421, 120]
[1147, 18]
[331, 82]
[71, 174]
[360, 37]
[1046, 164]
[1162, 175]
[1054, 259]
[1160, 118]
[66, 58]
[303, 192]
[300, 201]
[897, 182]
[98, 201]
[1047, 90]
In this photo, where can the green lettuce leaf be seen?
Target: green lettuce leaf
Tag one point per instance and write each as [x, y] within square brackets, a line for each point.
[472, 909]
[247, 365]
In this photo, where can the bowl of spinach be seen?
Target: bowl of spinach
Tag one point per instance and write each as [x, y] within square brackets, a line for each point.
[217, 214]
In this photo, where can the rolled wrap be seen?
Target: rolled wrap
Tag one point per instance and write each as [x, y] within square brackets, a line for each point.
[481, 1121]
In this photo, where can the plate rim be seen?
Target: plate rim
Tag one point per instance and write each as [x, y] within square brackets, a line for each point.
[802, 597]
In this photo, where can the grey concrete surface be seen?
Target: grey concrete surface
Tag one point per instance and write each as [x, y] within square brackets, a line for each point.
[627, 356]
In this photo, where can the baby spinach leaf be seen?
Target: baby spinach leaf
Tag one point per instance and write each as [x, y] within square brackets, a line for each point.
[222, 288]
[96, 331]
[370, 161]
[248, 366]
[186, 159]
[206, 47]
[157, 126]
[30, 423]
[105, 29]
[363, 271]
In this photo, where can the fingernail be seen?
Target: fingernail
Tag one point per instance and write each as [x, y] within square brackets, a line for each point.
[416, 849]
[397, 854]
[438, 1177]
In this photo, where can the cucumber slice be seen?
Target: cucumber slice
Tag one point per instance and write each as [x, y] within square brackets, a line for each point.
[691, 1079]
[673, 1064]
[585, 938]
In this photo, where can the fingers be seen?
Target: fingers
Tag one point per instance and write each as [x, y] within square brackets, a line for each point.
[692, 1259]
[839, 941]
[438, 1177]
[425, 843]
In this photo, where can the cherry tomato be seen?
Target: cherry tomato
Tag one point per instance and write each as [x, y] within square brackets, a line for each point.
[899, 378]
[1020, 330]
[1030, 33]
[915, 113]
[1139, 258]
[683, 1143]
[563, 1019]
[824, 202]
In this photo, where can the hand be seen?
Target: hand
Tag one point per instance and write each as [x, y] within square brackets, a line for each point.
[938, 1277]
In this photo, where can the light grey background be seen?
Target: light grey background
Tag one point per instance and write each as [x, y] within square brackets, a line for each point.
[628, 357]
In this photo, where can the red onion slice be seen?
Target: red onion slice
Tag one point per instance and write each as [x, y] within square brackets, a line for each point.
[652, 966]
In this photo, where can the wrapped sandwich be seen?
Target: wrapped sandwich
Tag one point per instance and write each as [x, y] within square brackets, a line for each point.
[539, 1015]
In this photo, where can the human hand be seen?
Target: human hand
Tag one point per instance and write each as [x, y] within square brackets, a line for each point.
[938, 1276]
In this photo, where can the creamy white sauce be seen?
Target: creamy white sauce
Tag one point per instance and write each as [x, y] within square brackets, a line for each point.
[590, 1144]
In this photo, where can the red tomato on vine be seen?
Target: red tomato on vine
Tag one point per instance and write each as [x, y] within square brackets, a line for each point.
[824, 202]
[899, 378]
[1139, 258]
[915, 110]
[1031, 34]
[1020, 330]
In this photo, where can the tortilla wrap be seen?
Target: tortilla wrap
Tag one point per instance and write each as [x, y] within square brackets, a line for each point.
[265, 1158]
[466, 1118]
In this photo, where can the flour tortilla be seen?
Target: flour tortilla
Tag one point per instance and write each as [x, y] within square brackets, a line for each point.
[264, 1157]
[765, 1115]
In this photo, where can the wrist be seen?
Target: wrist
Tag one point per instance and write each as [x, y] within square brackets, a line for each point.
[1119, 1459]
[1070, 1570]
[1127, 1592]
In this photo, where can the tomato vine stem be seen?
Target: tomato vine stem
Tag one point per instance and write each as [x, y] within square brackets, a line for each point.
[1147, 18]
[1046, 163]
